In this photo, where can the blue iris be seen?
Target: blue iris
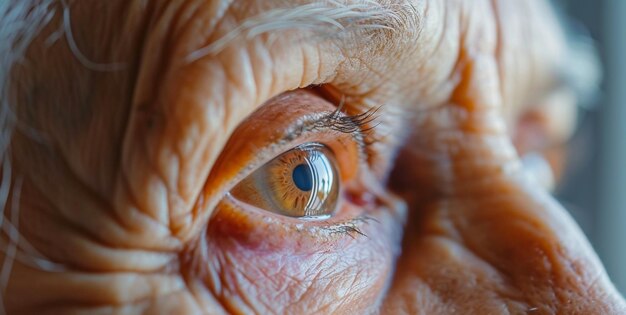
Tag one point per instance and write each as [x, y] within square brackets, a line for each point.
[302, 177]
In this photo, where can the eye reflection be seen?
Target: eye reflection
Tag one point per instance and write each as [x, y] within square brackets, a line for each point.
[302, 182]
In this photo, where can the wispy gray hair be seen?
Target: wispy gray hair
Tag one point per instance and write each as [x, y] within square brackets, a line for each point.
[330, 16]
[20, 22]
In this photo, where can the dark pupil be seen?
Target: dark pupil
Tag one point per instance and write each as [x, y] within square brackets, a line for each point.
[302, 177]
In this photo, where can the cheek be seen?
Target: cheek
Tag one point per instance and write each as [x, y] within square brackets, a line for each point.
[255, 265]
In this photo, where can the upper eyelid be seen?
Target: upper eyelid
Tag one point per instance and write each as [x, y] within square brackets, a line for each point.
[325, 121]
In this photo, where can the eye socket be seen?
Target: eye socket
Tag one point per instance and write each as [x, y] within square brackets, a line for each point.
[302, 182]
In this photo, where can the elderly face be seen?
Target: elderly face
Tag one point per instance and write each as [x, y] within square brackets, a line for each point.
[203, 156]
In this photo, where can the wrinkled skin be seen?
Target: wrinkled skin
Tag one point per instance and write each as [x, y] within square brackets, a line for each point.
[126, 191]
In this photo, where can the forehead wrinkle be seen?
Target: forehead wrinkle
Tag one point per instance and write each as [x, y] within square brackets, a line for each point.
[325, 19]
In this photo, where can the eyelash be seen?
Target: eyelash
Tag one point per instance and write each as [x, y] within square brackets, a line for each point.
[351, 227]
[349, 124]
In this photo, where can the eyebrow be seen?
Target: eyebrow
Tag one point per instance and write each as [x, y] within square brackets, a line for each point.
[331, 18]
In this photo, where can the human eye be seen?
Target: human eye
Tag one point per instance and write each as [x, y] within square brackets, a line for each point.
[318, 160]
[308, 164]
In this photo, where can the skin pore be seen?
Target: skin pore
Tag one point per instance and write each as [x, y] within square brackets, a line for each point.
[142, 115]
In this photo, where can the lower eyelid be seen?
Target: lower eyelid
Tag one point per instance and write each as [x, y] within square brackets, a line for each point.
[253, 220]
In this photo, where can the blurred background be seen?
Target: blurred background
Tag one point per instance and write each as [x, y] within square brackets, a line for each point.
[594, 186]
